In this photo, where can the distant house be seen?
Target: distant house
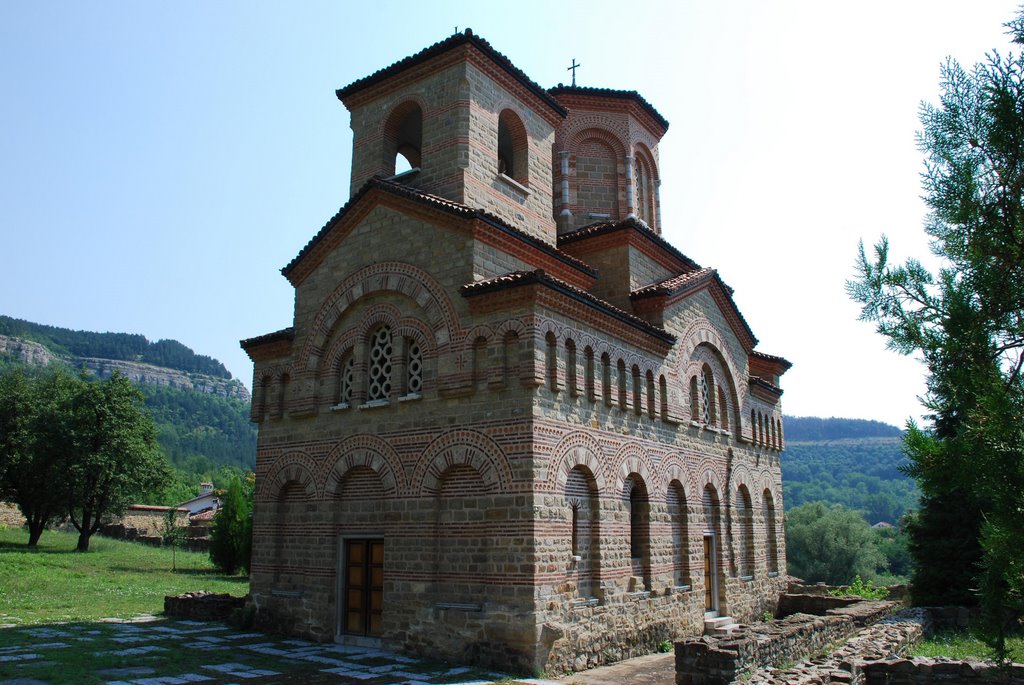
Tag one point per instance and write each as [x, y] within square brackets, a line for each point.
[882, 524]
[206, 500]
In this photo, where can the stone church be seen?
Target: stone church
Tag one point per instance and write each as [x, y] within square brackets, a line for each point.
[510, 424]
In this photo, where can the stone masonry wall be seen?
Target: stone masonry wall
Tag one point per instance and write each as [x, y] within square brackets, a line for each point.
[710, 661]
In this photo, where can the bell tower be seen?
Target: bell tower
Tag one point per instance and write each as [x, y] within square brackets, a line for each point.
[460, 121]
[606, 158]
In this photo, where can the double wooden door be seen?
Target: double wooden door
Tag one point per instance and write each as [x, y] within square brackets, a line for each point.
[364, 587]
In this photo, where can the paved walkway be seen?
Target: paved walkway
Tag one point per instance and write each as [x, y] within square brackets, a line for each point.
[176, 652]
[653, 669]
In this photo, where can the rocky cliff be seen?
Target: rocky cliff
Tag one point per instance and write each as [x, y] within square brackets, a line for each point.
[33, 353]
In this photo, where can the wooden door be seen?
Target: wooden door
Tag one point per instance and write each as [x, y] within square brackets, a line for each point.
[710, 586]
[364, 587]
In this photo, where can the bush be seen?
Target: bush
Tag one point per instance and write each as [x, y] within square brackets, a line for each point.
[231, 534]
[859, 588]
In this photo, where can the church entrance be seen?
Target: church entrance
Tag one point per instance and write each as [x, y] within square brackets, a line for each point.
[363, 587]
[710, 574]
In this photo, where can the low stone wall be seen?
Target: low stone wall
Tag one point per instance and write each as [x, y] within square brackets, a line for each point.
[710, 661]
[846, 663]
[202, 606]
[938, 671]
[149, 520]
[815, 604]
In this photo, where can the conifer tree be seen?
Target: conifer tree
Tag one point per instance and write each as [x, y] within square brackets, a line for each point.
[231, 534]
[967, 322]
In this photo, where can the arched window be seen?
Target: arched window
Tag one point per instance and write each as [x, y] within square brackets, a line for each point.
[753, 427]
[584, 509]
[744, 533]
[723, 409]
[642, 180]
[413, 367]
[707, 394]
[347, 379]
[639, 529]
[709, 502]
[513, 145]
[288, 507]
[379, 378]
[510, 365]
[651, 406]
[620, 372]
[771, 544]
[588, 372]
[480, 365]
[552, 361]
[680, 536]
[570, 368]
[760, 429]
[261, 402]
[282, 394]
[403, 138]
[606, 379]
[638, 404]
[663, 396]
[694, 400]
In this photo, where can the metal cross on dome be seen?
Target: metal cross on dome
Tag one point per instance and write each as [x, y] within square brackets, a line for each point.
[573, 69]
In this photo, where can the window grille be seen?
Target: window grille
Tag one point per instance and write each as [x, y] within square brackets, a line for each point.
[380, 364]
[414, 368]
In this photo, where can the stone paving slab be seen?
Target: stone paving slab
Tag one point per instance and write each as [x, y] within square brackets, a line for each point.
[176, 652]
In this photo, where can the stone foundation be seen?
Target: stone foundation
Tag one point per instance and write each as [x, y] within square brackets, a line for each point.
[710, 661]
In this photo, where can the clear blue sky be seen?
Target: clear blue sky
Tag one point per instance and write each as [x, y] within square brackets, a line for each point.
[160, 162]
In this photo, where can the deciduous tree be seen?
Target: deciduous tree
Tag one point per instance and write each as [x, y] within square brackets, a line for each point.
[830, 544]
[113, 457]
[33, 437]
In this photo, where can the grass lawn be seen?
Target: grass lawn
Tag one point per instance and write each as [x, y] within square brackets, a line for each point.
[962, 645]
[54, 583]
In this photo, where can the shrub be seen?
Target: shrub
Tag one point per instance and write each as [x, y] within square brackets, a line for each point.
[231, 534]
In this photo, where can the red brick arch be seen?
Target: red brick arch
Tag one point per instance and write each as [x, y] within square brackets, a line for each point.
[462, 447]
[292, 467]
[631, 458]
[371, 452]
[577, 449]
[438, 311]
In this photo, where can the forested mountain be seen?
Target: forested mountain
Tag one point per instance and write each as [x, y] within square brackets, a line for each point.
[201, 415]
[847, 461]
[811, 428]
[200, 432]
[133, 347]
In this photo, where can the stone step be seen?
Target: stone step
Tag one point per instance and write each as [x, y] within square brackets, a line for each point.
[726, 631]
[720, 626]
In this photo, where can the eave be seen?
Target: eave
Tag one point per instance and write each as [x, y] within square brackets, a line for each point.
[484, 226]
[499, 292]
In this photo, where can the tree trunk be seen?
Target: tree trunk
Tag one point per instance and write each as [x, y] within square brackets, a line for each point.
[35, 531]
[84, 532]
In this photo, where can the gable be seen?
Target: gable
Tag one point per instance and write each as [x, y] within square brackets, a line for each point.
[671, 299]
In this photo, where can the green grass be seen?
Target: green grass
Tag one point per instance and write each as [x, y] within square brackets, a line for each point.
[54, 583]
[962, 645]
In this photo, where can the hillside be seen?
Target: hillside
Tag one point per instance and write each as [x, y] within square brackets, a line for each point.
[131, 347]
[201, 413]
[847, 461]
[166, 362]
